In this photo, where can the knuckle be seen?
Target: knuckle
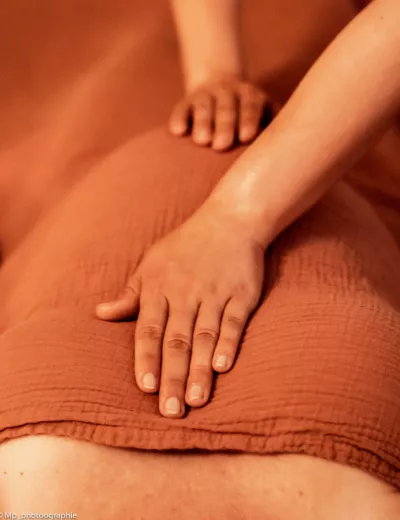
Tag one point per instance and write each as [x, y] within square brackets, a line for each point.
[225, 123]
[202, 104]
[206, 336]
[151, 332]
[250, 109]
[247, 300]
[225, 127]
[202, 118]
[200, 372]
[241, 291]
[149, 359]
[179, 344]
[211, 291]
[226, 113]
[175, 382]
[235, 321]
[229, 343]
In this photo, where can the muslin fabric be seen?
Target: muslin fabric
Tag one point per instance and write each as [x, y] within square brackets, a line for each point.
[90, 178]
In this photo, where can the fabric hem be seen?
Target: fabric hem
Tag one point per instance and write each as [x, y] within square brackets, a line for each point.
[313, 443]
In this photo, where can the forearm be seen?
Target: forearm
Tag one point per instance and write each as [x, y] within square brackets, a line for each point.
[209, 38]
[342, 105]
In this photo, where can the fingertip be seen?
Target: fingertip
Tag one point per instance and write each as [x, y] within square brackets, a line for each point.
[148, 383]
[179, 119]
[247, 134]
[105, 310]
[222, 364]
[219, 370]
[196, 395]
[202, 138]
[172, 408]
[196, 404]
[178, 128]
[221, 144]
[114, 310]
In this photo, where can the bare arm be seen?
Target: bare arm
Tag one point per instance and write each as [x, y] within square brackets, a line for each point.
[209, 37]
[202, 281]
[219, 106]
[345, 101]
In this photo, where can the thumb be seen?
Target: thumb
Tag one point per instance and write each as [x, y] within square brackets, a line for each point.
[124, 307]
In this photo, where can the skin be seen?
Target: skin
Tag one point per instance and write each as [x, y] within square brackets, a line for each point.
[40, 473]
[218, 114]
[219, 107]
[193, 303]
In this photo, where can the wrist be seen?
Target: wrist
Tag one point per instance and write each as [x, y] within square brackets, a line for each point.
[254, 225]
[199, 77]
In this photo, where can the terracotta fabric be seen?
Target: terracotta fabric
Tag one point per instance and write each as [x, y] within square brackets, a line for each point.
[89, 179]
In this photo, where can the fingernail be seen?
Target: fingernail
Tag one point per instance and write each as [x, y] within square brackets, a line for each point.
[178, 129]
[220, 144]
[196, 392]
[221, 361]
[172, 406]
[106, 306]
[246, 135]
[202, 138]
[149, 381]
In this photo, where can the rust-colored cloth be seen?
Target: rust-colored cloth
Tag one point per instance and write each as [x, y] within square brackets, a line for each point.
[89, 179]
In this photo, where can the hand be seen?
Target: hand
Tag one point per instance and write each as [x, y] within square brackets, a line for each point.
[196, 289]
[219, 113]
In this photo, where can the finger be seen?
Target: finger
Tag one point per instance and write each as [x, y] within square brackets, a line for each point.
[124, 307]
[148, 341]
[205, 338]
[179, 120]
[234, 320]
[204, 341]
[252, 105]
[225, 120]
[202, 119]
[177, 346]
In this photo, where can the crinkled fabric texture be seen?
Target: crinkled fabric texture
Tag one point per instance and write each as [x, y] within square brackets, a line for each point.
[89, 179]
